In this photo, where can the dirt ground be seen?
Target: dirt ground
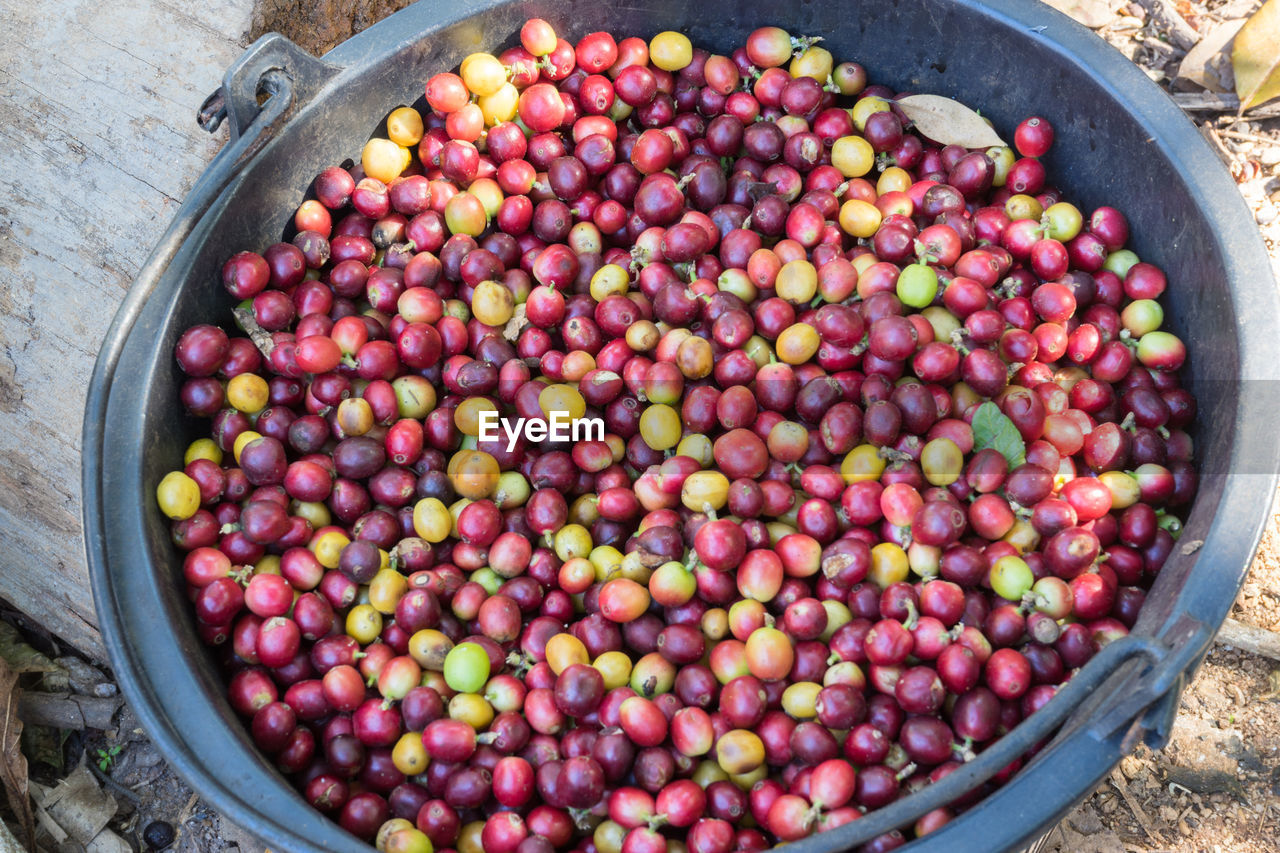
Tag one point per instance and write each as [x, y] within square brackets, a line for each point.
[1215, 788]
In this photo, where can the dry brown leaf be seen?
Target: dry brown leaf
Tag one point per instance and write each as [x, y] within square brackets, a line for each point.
[13, 764]
[1204, 62]
[1256, 56]
[950, 122]
[1091, 13]
[517, 322]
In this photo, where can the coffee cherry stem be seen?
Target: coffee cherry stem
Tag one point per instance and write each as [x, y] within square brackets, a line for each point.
[958, 339]
[799, 44]
[913, 615]
[890, 454]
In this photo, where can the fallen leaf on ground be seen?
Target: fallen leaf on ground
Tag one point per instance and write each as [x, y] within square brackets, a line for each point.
[1255, 56]
[77, 807]
[13, 764]
[1205, 63]
[950, 122]
[1091, 13]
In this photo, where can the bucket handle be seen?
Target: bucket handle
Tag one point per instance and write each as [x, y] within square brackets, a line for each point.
[257, 72]
[1160, 664]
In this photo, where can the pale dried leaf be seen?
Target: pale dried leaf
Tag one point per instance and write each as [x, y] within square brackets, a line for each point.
[1091, 13]
[950, 122]
[1201, 64]
[108, 842]
[1255, 56]
[77, 805]
[13, 764]
[517, 322]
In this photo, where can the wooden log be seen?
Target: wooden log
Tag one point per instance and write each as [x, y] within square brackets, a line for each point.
[98, 146]
[1194, 102]
[67, 711]
[1247, 638]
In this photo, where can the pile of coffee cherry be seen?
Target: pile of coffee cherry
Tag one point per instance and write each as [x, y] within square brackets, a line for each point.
[889, 443]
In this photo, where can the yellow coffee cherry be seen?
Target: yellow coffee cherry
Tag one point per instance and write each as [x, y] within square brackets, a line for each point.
[472, 709]
[670, 50]
[408, 755]
[483, 73]
[431, 520]
[889, 565]
[500, 106]
[203, 448]
[798, 343]
[248, 393]
[660, 426]
[384, 160]
[853, 156]
[364, 623]
[859, 218]
[862, 463]
[475, 474]
[562, 398]
[893, 179]
[572, 540]
[469, 413]
[493, 303]
[386, 589]
[865, 108]
[609, 280]
[564, 650]
[797, 281]
[490, 195]
[328, 547]
[178, 495]
[815, 62]
[404, 126]
[703, 489]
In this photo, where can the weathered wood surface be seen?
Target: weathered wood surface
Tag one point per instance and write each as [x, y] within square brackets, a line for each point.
[98, 146]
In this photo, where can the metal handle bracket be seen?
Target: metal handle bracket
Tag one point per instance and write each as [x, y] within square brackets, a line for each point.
[255, 75]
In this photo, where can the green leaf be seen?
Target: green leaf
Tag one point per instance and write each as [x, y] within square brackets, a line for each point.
[992, 429]
[1255, 57]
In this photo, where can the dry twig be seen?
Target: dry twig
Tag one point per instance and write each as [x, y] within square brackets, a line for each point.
[1117, 779]
[1166, 17]
[1249, 137]
[1210, 135]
